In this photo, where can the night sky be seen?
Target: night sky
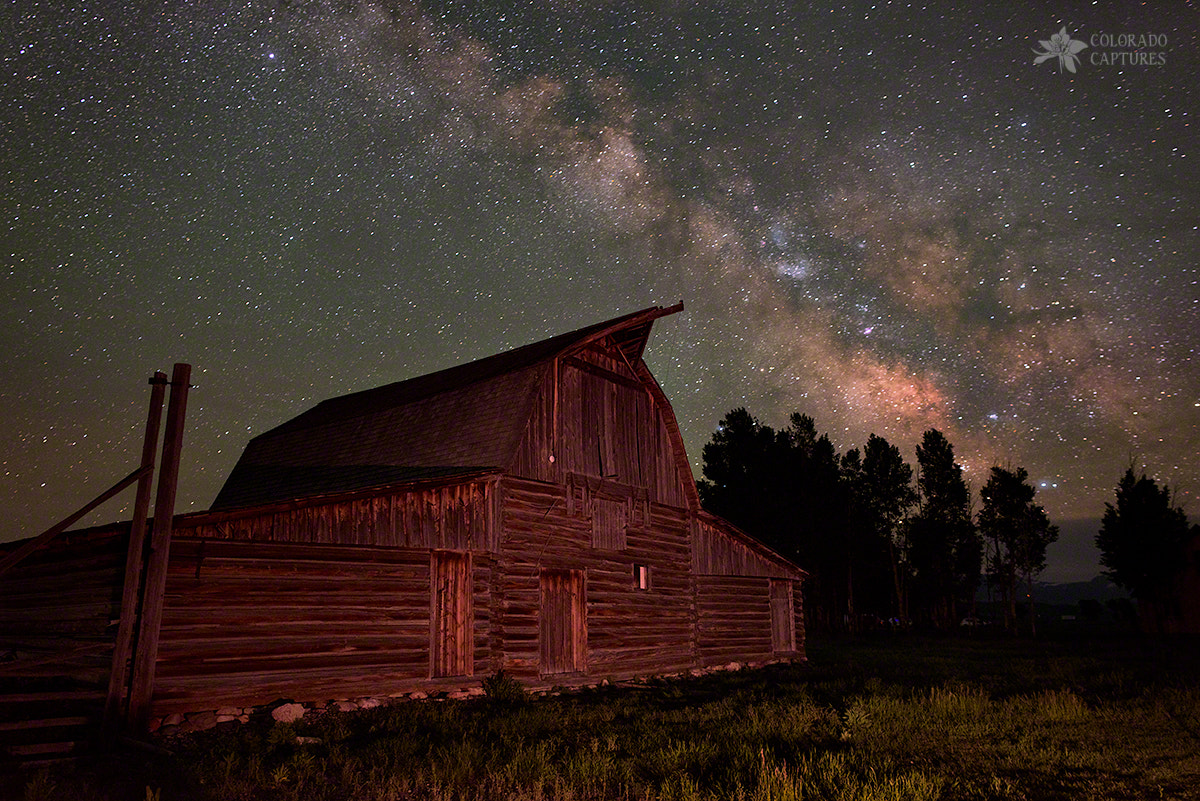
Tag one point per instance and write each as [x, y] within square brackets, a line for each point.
[884, 217]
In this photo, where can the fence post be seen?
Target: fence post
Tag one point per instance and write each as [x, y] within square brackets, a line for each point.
[142, 685]
[118, 680]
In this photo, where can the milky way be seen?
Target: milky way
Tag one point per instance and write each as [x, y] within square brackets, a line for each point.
[888, 219]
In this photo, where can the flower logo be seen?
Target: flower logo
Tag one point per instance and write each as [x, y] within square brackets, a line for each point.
[1064, 47]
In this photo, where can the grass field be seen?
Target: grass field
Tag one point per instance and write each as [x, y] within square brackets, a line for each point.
[889, 718]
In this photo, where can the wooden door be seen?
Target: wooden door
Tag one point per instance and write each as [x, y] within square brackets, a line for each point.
[451, 617]
[562, 627]
[783, 620]
[609, 519]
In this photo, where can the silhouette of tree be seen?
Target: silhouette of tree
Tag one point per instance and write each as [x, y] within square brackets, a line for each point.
[888, 495]
[945, 549]
[814, 500]
[1141, 543]
[858, 534]
[784, 489]
[1090, 609]
[1019, 531]
[738, 482]
[847, 519]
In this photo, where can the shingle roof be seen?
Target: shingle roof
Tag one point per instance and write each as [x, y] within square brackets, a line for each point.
[459, 420]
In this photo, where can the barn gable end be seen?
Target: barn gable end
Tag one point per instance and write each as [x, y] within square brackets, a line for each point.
[597, 417]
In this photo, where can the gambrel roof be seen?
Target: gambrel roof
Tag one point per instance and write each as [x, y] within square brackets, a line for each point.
[461, 420]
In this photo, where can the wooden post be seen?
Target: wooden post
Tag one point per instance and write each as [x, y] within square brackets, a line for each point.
[118, 679]
[142, 685]
[558, 470]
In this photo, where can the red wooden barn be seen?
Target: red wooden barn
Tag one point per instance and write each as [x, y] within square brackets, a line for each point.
[533, 511]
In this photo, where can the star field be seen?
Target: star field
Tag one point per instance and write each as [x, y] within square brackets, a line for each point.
[886, 217]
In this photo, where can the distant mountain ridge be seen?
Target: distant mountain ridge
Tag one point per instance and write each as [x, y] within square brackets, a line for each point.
[1069, 593]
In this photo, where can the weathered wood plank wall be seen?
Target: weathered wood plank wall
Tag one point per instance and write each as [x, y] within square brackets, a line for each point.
[733, 619]
[249, 622]
[630, 632]
[720, 553]
[453, 517]
[608, 425]
[59, 607]
[738, 620]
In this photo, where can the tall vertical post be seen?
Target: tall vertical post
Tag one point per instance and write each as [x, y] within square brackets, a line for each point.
[142, 686]
[558, 471]
[118, 679]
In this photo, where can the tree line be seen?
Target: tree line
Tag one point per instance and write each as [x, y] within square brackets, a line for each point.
[884, 543]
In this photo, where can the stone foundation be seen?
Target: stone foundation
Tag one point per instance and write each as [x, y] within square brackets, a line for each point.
[291, 711]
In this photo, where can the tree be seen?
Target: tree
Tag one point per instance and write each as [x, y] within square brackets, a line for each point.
[813, 499]
[944, 546]
[738, 476]
[887, 496]
[862, 543]
[1141, 543]
[811, 475]
[1019, 531]
[784, 489]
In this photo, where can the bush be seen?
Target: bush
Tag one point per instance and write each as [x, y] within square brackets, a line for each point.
[502, 688]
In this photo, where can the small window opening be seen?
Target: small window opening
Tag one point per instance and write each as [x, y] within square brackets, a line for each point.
[641, 577]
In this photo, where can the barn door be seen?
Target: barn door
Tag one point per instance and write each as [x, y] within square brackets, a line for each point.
[451, 619]
[783, 620]
[562, 629]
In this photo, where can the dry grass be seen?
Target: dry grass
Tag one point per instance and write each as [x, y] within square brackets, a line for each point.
[869, 719]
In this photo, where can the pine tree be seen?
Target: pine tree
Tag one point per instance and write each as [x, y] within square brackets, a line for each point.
[945, 550]
[1019, 531]
[1141, 543]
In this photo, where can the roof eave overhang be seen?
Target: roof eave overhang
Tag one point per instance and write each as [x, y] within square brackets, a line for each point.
[638, 324]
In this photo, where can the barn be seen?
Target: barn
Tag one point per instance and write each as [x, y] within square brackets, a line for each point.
[532, 512]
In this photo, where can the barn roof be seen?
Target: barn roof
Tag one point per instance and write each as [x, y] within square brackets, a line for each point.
[460, 420]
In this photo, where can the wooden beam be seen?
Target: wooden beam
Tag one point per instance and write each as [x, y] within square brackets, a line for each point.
[146, 654]
[118, 679]
[11, 561]
[628, 322]
[608, 375]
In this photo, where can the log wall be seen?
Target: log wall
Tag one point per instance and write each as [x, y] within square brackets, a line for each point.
[734, 619]
[59, 608]
[246, 623]
[630, 632]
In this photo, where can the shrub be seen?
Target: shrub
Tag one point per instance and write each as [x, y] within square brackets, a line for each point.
[502, 688]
